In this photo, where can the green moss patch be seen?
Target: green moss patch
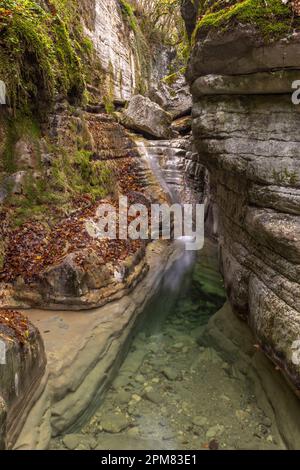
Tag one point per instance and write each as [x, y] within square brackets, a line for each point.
[272, 18]
[16, 128]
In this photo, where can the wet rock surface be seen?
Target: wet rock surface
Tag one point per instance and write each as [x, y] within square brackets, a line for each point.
[171, 163]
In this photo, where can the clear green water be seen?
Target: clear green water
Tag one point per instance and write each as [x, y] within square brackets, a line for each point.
[175, 391]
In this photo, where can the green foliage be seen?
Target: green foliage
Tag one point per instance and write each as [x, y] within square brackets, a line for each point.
[272, 18]
[38, 53]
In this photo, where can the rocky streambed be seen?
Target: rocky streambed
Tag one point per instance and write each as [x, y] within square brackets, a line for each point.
[189, 380]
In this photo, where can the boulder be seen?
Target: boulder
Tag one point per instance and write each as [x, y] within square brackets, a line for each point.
[180, 103]
[147, 117]
[159, 94]
[114, 424]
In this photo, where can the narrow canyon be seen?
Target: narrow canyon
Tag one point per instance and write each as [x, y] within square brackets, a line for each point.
[140, 343]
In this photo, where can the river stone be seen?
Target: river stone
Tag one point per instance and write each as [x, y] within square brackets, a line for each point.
[125, 442]
[121, 381]
[136, 398]
[134, 432]
[178, 346]
[83, 446]
[156, 380]
[267, 421]
[169, 436]
[71, 441]
[114, 423]
[154, 347]
[242, 415]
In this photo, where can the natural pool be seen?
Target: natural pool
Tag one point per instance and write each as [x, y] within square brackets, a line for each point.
[174, 389]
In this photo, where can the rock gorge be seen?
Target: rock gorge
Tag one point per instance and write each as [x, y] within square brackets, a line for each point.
[98, 106]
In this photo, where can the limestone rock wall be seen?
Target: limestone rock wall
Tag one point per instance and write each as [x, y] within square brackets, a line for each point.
[246, 131]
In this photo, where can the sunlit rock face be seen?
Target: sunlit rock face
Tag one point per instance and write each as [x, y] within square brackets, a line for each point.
[116, 46]
[246, 131]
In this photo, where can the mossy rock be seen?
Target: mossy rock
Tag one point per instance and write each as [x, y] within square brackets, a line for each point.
[40, 53]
